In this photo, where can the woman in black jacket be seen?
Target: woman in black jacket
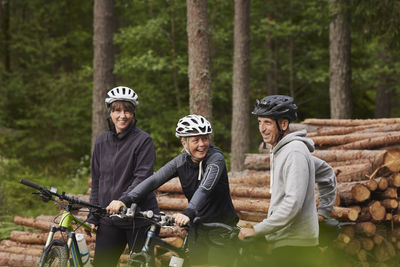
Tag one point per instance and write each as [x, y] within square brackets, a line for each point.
[122, 158]
[202, 173]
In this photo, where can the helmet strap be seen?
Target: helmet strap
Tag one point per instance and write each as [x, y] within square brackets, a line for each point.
[111, 126]
[134, 119]
[280, 131]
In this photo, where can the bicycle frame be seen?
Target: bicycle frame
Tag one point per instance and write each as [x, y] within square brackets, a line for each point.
[55, 248]
[66, 225]
[146, 256]
[153, 239]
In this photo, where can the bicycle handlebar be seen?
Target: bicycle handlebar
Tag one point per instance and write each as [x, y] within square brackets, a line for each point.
[33, 185]
[134, 212]
[71, 200]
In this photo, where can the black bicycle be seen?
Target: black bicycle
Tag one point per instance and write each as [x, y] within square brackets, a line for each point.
[246, 252]
[146, 257]
[218, 234]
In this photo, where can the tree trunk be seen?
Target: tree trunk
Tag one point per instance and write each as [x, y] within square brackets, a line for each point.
[366, 228]
[337, 140]
[272, 86]
[252, 216]
[249, 204]
[174, 71]
[344, 214]
[373, 212]
[249, 177]
[340, 69]
[367, 243]
[10, 259]
[241, 77]
[349, 122]
[353, 193]
[199, 62]
[394, 180]
[103, 63]
[384, 94]
[371, 143]
[5, 30]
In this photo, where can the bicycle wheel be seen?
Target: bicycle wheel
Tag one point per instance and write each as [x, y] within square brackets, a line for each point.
[140, 260]
[57, 256]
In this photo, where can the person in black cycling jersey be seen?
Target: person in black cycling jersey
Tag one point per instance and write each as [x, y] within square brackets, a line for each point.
[122, 158]
[202, 173]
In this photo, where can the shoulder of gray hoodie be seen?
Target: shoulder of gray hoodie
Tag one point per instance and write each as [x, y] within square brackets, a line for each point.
[324, 174]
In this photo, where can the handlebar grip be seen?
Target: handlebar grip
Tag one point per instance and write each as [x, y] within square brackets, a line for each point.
[33, 185]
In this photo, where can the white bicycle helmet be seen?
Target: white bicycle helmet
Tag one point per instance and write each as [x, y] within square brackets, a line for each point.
[192, 125]
[122, 93]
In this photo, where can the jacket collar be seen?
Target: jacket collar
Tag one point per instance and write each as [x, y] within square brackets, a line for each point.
[121, 135]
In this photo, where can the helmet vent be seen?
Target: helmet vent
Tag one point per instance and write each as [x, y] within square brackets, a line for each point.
[122, 93]
[193, 125]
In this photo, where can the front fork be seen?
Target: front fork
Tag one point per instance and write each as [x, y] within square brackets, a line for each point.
[150, 235]
[53, 230]
[72, 244]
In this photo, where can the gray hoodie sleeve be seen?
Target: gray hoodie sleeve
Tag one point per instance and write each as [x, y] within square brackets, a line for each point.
[326, 180]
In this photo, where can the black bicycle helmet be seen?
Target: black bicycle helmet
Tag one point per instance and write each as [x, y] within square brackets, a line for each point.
[276, 106]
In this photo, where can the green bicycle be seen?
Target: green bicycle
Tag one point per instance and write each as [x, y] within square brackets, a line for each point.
[56, 252]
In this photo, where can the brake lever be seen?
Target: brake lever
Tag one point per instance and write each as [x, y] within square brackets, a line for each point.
[44, 196]
[123, 213]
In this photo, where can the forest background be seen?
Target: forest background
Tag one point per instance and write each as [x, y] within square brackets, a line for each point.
[47, 77]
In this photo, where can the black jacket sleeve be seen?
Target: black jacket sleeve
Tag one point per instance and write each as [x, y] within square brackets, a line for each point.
[94, 193]
[166, 173]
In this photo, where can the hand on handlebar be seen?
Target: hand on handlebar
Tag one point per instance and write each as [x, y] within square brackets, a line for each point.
[181, 219]
[114, 206]
[246, 232]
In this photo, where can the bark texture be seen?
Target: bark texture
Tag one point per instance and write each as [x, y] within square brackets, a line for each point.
[340, 68]
[199, 62]
[241, 82]
[103, 63]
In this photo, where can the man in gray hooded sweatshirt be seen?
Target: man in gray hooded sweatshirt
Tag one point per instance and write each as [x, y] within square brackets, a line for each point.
[292, 224]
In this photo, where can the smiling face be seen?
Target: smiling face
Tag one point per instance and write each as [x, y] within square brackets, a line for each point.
[121, 115]
[269, 130]
[197, 146]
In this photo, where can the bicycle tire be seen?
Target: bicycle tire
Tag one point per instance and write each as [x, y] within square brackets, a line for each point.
[56, 256]
[140, 260]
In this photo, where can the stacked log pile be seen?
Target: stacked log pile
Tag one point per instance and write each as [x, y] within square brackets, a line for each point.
[372, 190]
[365, 155]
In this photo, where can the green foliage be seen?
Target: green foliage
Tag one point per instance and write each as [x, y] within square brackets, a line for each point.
[17, 199]
[47, 94]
